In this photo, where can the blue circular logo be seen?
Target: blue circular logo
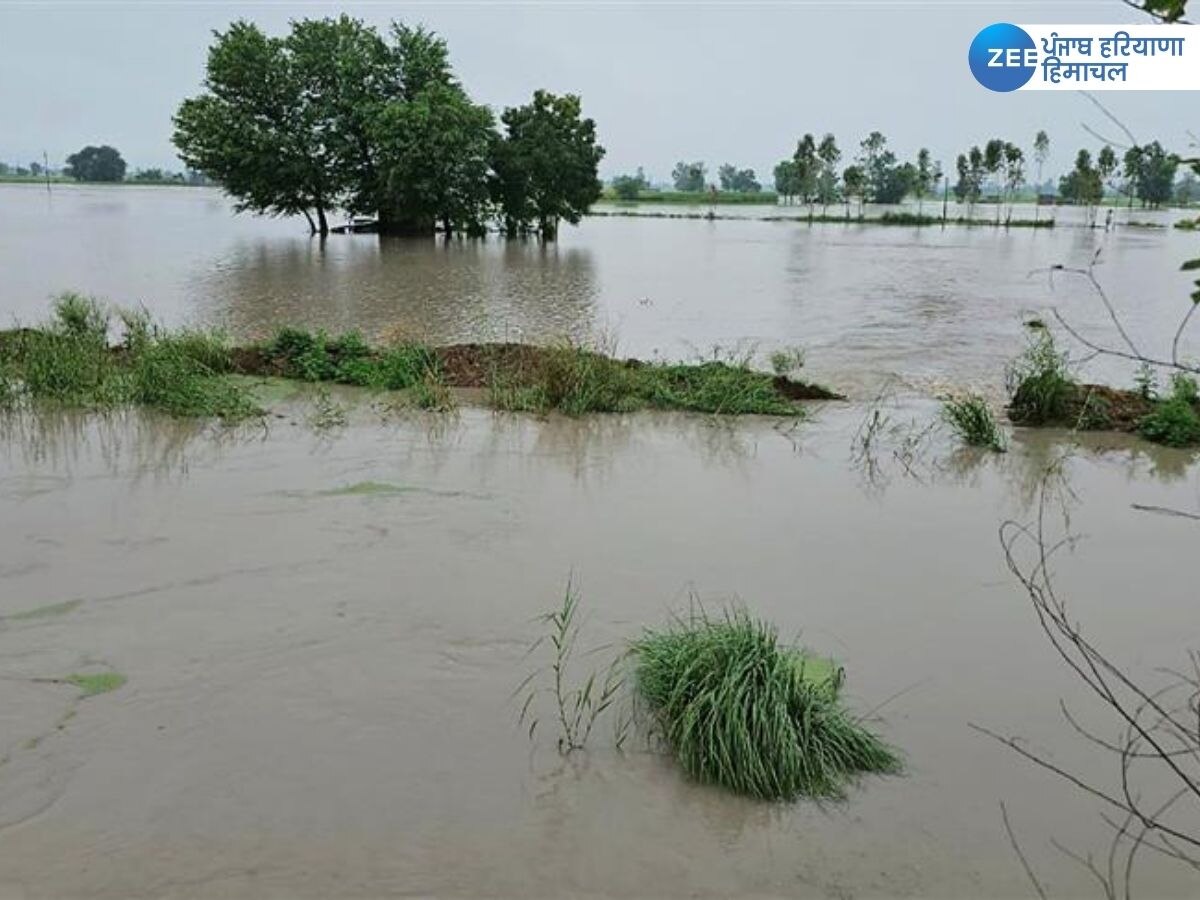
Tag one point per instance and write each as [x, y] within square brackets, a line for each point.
[1002, 57]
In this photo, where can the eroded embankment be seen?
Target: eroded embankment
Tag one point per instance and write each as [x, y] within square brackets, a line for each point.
[70, 360]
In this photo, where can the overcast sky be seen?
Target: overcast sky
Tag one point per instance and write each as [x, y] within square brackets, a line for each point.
[720, 82]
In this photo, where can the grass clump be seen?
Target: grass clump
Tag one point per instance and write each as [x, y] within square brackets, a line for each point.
[972, 420]
[1095, 413]
[1039, 382]
[575, 380]
[1174, 421]
[69, 361]
[743, 711]
[347, 359]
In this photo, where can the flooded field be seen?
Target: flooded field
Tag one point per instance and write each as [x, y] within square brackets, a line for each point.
[322, 632]
[931, 306]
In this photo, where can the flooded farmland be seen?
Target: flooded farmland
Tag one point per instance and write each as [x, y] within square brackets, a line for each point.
[931, 306]
[321, 629]
[322, 633]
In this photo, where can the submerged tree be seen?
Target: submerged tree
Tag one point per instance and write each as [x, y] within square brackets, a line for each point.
[433, 158]
[258, 128]
[102, 163]
[545, 166]
[334, 115]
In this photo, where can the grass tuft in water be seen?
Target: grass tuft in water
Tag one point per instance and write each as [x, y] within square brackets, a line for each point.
[972, 420]
[1039, 382]
[743, 711]
[1174, 421]
[579, 698]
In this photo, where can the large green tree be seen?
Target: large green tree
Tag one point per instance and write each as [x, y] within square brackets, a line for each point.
[102, 163]
[545, 165]
[263, 129]
[1150, 171]
[336, 116]
[433, 158]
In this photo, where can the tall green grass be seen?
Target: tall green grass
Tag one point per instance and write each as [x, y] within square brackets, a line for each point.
[741, 710]
[972, 420]
[1175, 420]
[576, 380]
[1039, 382]
[347, 359]
[68, 361]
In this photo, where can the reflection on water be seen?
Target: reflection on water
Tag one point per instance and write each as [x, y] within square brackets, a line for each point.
[933, 306]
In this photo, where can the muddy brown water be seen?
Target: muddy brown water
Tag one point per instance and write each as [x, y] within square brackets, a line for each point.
[932, 306]
[322, 630]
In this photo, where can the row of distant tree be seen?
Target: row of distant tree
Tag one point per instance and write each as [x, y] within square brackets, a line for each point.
[102, 164]
[1145, 174]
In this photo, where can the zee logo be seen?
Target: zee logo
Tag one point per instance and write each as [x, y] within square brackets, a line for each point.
[1002, 57]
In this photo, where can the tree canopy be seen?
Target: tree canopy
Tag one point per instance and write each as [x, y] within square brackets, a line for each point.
[95, 164]
[545, 164]
[336, 115]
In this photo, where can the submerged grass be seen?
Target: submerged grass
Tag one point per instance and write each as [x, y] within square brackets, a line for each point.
[972, 420]
[101, 683]
[743, 711]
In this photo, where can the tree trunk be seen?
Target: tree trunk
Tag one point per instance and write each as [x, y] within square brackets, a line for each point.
[312, 226]
[405, 224]
[549, 229]
[322, 222]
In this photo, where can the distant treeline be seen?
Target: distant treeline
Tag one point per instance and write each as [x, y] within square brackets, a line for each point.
[97, 165]
[995, 172]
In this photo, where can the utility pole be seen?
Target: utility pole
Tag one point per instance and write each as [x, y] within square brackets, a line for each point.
[46, 169]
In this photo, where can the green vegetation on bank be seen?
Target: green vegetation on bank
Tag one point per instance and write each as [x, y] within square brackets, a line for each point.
[68, 361]
[1043, 392]
[566, 378]
[887, 218]
[1175, 419]
[742, 710]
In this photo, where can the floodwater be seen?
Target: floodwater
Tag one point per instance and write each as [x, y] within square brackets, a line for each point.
[322, 632]
[933, 307]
